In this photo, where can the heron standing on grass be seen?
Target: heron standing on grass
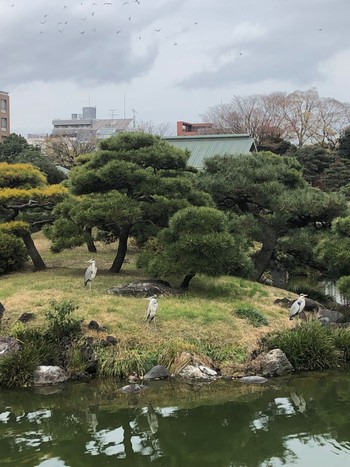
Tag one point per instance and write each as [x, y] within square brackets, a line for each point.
[298, 306]
[90, 273]
[152, 310]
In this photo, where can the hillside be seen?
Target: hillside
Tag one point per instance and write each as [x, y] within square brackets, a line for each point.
[201, 320]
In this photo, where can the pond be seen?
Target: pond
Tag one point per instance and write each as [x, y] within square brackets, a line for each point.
[302, 420]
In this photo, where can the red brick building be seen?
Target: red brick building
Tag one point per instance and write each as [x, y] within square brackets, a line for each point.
[193, 129]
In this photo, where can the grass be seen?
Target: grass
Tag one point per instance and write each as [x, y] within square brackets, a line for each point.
[202, 319]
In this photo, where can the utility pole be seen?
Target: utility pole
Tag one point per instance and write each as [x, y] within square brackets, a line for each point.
[113, 111]
[134, 118]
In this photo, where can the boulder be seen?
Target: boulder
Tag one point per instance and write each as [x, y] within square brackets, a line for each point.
[8, 345]
[145, 288]
[332, 315]
[273, 363]
[198, 372]
[157, 372]
[44, 375]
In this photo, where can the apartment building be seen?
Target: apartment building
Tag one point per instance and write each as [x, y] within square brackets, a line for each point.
[85, 126]
[4, 115]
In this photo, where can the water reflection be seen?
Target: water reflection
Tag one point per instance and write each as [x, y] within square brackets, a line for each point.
[303, 420]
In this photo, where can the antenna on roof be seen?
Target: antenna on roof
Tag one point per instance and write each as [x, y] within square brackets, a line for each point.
[124, 104]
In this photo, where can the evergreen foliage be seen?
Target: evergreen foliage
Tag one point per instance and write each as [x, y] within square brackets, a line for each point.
[13, 253]
[131, 186]
[197, 241]
[270, 198]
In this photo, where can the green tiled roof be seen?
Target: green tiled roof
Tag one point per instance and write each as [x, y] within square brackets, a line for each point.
[203, 146]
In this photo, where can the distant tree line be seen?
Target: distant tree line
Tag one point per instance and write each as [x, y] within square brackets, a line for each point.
[300, 117]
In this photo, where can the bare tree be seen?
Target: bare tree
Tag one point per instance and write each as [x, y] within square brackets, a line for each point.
[63, 150]
[300, 117]
[157, 129]
[333, 117]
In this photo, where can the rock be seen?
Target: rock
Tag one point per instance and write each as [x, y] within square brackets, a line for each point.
[324, 320]
[157, 372]
[333, 315]
[25, 317]
[252, 379]
[311, 305]
[198, 372]
[93, 325]
[8, 345]
[44, 375]
[145, 288]
[112, 340]
[207, 371]
[2, 310]
[273, 363]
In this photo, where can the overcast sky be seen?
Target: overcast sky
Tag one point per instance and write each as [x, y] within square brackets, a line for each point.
[168, 60]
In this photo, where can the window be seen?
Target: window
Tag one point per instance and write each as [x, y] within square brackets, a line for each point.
[3, 105]
[3, 123]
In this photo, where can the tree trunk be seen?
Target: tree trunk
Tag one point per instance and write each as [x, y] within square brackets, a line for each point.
[263, 258]
[186, 280]
[122, 249]
[90, 243]
[38, 262]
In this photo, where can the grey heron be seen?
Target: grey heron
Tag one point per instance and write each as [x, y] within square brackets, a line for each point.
[90, 273]
[298, 306]
[152, 310]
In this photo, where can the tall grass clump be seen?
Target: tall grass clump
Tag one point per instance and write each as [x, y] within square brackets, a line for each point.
[17, 368]
[309, 346]
[341, 339]
[252, 315]
[120, 362]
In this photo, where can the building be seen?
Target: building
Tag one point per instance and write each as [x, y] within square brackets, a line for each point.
[193, 129]
[37, 139]
[4, 115]
[202, 147]
[86, 126]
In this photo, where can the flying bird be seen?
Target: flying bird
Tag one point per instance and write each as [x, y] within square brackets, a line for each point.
[152, 310]
[90, 273]
[297, 307]
[158, 30]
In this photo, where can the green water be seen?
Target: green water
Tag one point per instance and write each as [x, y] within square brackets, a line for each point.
[303, 420]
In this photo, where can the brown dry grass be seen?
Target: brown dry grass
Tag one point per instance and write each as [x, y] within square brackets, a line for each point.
[201, 319]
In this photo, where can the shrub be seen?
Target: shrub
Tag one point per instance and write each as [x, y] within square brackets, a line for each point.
[13, 253]
[252, 315]
[60, 320]
[309, 346]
